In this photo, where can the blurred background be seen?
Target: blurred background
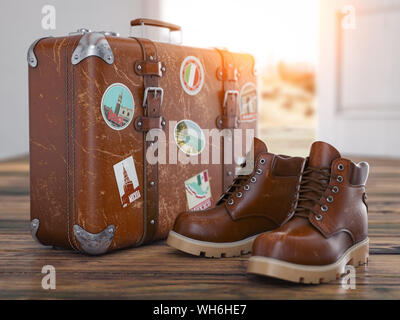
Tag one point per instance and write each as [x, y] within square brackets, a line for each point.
[328, 69]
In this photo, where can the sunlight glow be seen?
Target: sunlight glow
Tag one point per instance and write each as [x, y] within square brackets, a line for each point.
[271, 30]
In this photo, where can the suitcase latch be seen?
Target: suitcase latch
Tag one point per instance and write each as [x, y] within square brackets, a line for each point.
[149, 68]
[227, 93]
[155, 90]
[229, 118]
[229, 74]
[146, 123]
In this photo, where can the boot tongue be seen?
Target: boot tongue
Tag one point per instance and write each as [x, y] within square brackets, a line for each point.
[322, 154]
[259, 147]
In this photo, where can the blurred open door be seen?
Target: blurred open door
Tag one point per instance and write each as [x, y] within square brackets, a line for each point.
[359, 76]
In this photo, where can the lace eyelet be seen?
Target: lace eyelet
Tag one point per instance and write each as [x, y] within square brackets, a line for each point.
[239, 194]
[253, 179]
[246, 187]
[259, 171]
[335, 189]
[231, 202]
[339, 179]
[329, 199]
[340, 167]
[324, 208]
[262, 161]
[318, 217]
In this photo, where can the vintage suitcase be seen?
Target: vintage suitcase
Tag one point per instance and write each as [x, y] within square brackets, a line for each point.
[93, 99]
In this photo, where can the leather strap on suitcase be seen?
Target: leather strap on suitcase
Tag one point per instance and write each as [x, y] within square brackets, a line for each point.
[151, 69]
[229, 120]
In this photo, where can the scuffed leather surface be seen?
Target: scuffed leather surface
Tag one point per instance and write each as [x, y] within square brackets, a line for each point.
[270, 195]
[307, 241]
[348, 212]
[47, 147]
[216, 225]
[203, 108]
[262, 208]
[298, 242]
[73, 150]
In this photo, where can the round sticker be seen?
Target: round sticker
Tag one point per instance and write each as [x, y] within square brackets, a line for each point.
[117, 106]
[189, 137]
[192, 75]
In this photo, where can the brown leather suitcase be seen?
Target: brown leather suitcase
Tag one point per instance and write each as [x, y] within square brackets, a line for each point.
[93, 99]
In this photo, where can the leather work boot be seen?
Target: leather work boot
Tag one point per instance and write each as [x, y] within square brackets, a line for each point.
[253, 204]
[328, 228]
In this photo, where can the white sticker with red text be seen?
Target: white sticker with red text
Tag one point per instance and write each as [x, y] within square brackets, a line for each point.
[127, 180]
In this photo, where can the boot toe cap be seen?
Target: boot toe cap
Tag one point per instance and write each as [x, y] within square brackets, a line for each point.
[190, 225]
[309, 249]
[271, 245]
[212, 225]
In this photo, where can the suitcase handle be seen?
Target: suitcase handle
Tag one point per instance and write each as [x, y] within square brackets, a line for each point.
[155, 23]
[141, 22]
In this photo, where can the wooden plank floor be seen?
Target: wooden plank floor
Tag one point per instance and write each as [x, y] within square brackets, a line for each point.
[159, 272]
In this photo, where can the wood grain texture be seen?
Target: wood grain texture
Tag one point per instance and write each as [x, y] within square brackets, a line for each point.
[159, 272]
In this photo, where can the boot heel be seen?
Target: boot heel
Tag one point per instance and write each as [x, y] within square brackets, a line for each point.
[359, 256]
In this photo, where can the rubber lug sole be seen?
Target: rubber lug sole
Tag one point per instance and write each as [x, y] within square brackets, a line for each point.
[210, 249]
[357, 255]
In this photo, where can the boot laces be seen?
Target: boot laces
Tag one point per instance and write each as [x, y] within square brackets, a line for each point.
[312, 186]
[238, 182]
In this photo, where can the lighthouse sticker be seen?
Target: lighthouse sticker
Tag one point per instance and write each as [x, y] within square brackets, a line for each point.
[192, 75]
[117, 106]
[127, 181]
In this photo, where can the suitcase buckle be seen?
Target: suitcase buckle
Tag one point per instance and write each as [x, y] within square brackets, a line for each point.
[155, 90]
[227, 93]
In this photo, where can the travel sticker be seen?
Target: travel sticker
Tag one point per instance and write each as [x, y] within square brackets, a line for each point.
[248, 102]
[192, 75]
[189, 137]
[198, 192]
[117, 106]
[127, 180]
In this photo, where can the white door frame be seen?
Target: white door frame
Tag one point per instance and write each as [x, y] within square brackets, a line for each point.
[363, 129]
